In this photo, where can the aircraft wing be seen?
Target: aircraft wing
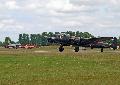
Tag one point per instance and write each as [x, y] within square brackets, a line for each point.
[101, 39]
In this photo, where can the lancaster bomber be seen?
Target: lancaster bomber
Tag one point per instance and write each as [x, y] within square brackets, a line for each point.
[76, 42]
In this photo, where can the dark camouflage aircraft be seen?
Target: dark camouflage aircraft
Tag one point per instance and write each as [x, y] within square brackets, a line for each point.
[64, 40]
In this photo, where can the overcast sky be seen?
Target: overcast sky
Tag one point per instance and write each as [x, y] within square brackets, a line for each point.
[99, 17]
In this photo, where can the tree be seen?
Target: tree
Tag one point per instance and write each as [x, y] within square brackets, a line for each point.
[44, 41]
[77, 34]
[7, 40]
[12, 42]
[20, 39]
[44, 34]
[39, 40]
[50, 34]
[63, 32]
[81, 35]
[24, 39]
[57, 33]
[118, 41]
[71, 33]
[33, 39]
[1, 44]
[87, 35]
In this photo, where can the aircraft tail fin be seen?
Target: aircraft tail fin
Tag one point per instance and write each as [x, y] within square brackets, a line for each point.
[114, 43]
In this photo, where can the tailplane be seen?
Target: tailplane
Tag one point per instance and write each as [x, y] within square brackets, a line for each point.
[114, 43]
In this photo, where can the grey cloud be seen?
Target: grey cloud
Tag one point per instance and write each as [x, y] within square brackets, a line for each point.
[100, 17]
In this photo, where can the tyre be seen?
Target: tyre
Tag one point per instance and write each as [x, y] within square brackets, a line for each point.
[61, 49]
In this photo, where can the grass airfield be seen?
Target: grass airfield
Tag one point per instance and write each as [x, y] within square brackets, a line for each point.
[47, 66]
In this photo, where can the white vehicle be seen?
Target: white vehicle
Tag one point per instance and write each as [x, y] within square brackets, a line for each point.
[13, 46]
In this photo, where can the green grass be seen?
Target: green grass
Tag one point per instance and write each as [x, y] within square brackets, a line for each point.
[25, 67]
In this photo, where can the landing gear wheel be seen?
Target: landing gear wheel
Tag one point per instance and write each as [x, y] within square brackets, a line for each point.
[76, 49]
[101, 49]
[61, 49]
[91, 47]
[114, 48]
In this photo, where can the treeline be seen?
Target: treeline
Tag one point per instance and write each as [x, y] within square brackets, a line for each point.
[33, 39]
[41, 39]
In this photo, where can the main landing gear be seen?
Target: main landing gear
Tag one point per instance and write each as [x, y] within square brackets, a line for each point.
[76, 49]
[101, 49]
[61, 49]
